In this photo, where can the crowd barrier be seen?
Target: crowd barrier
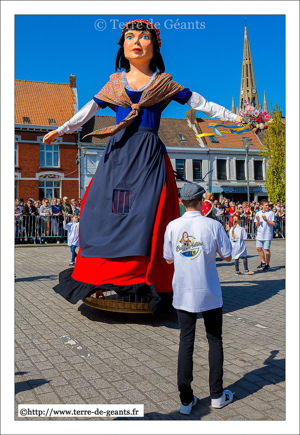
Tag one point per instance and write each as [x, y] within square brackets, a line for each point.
[40, 229]
[250, 227]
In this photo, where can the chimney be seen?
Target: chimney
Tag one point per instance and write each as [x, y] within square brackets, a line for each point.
[191, 116]
[72, 81]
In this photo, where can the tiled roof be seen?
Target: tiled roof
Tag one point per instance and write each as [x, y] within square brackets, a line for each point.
[41, 100]
[168, 130]
[231, 140]
[95, 123]
[170, 127]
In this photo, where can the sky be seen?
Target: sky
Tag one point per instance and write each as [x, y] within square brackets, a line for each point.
[201, 52]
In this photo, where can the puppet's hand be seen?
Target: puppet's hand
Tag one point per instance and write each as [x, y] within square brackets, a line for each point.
[238, 119]
[49, 137]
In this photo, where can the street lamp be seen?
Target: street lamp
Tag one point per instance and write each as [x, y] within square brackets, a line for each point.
[247, 143]
[83, 150]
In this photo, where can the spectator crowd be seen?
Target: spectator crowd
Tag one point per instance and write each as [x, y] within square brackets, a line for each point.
[226, 210]
[44, 219]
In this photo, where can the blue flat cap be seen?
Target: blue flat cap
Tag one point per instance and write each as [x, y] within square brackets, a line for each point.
[191, 191]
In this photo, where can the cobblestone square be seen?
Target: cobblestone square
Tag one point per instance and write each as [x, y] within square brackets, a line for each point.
[133, 358]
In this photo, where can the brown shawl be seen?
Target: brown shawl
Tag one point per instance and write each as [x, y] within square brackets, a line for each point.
[161, 88]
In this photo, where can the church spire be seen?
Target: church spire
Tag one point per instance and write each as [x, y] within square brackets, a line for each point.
[265, 109]
[248, 89]
[233, 105]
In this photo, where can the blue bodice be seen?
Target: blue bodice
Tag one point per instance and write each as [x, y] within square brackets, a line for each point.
[149, 116]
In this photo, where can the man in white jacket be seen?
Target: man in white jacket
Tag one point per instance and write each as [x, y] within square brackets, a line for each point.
[191, 243]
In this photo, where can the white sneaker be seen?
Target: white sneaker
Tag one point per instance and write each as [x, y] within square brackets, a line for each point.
[187, 409]
[225, 399]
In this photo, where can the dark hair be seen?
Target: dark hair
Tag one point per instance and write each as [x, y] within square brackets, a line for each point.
[155, 63]
[263, 201]
[191, 203]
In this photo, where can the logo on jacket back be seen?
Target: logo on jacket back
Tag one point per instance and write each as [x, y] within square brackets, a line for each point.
[188, 247]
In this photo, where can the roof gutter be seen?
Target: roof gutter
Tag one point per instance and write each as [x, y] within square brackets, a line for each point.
[36, 127]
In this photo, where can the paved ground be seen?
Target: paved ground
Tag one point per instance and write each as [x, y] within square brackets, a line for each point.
[133, 358]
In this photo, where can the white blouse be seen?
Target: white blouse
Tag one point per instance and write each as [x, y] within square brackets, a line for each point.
[73, 232]
[197, 102]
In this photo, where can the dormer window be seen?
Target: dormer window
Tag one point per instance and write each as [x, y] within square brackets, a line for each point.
[51, 121]
[26, 120]
[213, 139]
[181, 137]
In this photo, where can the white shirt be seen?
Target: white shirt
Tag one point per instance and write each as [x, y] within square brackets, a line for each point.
[264, 230]
[72, 229]
[196, 284]
[237, 237]
[196, 102]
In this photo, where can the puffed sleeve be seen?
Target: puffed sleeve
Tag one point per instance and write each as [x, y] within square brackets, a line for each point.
[101, 104]
[80, 118]
[210, 109]
[182, 96]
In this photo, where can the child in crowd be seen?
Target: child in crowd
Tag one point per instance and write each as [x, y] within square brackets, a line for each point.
[237, 235]
[72, 229]
[75, 209]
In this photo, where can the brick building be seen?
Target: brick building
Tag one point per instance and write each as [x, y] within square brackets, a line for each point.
[42, 170]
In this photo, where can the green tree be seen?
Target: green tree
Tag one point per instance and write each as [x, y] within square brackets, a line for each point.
[274, 152]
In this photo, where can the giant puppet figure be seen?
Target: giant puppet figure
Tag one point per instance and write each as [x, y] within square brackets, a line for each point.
[133, 194]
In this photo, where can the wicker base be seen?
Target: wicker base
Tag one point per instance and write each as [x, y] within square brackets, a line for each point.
[109, 301]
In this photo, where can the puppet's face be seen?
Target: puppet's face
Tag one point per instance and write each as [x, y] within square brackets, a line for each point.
[138, 45]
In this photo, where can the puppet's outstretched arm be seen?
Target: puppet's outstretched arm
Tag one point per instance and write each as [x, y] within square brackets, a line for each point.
[211, 109]
[79, 119]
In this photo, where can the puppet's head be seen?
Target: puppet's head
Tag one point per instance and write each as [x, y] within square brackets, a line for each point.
[156, 63]
[209, 196]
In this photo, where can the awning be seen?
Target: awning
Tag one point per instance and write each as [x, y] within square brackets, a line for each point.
[258, 189]
[216, 189]
[243, 189]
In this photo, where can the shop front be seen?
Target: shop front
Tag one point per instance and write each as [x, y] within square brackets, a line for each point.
[239, 193]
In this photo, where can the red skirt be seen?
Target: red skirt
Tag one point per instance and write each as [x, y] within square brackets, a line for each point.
[137, 269]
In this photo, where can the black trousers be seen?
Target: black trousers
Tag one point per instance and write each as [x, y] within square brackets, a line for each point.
[213, 326]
